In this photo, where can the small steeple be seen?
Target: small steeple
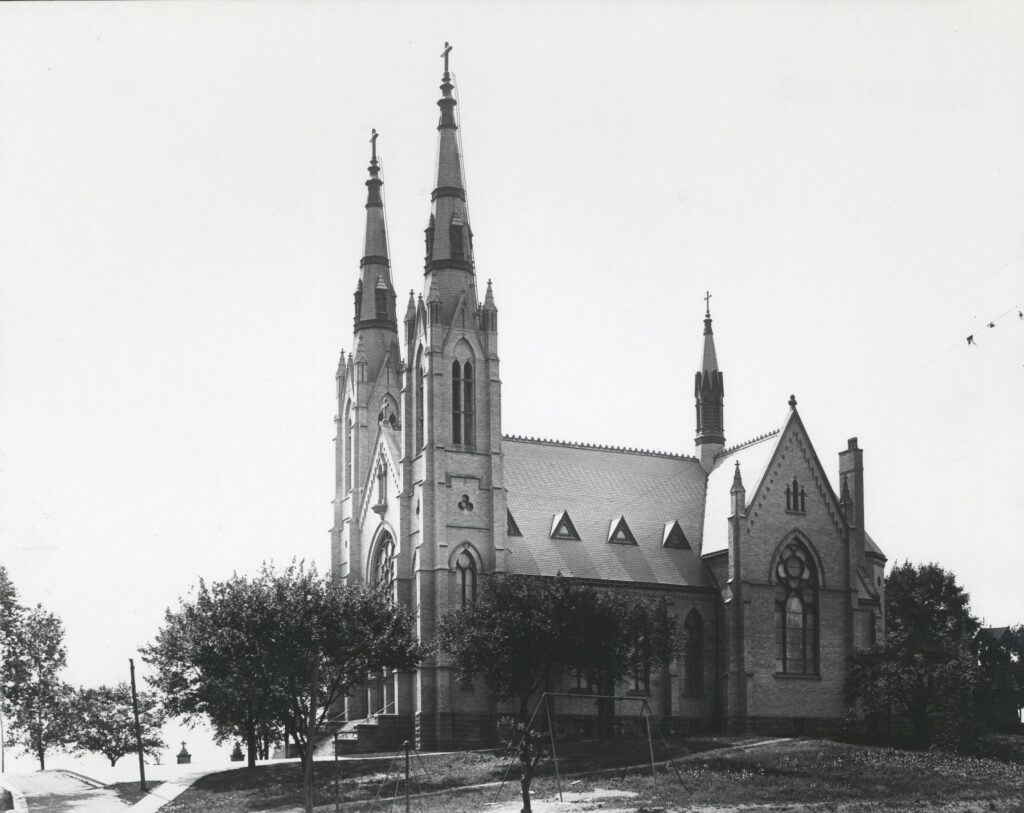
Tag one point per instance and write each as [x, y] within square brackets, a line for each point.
[709, 393]
[489, 311]
[738, 494]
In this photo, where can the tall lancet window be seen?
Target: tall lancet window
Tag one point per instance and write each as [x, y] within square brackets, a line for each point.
[796, 611]
[468, 403]
[466, 570]
[382, 303]
[456, 402]
[463, 403]
[347, 429]
[693, 676]
[419, 373]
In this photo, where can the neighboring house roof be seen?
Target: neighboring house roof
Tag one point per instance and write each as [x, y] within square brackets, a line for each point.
[754, 457]
[595, 485]
[993, 635]
[872, 546]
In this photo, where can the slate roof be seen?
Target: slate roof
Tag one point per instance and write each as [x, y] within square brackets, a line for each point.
[596, 485]
[754, 457]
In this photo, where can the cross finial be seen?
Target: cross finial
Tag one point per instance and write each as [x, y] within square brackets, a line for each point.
[447, 50]
[373, 145]
[707, 303]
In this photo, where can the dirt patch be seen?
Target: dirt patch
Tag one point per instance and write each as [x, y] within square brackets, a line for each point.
[607, 801]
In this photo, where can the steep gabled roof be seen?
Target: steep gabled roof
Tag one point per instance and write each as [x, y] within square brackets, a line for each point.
[753, 458]
[595, 486]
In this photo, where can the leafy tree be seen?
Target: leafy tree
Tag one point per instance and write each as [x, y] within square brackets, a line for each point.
[42, 714]
[610, 636]
[11, 673]
[283, 647]
[104, 722]
[328, 636]
[923, 601]
[510, 635]
[213, 656]
[10, 610]
[925, 668]
[1000, 694]
[523, 630]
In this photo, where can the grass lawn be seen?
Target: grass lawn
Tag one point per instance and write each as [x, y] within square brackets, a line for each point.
[274, 787]
[788, 776]
[817, 771]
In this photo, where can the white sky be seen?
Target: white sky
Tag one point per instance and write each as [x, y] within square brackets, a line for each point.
[181, 217]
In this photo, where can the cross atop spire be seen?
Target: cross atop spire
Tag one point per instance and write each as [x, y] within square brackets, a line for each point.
[707, 300]
[444, 54]
[373, 147]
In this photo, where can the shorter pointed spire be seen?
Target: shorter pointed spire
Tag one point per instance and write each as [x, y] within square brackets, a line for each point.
[709, 392]
[410, 311]
[489, 298]
[341, 364]
[709, 361]
[737, 480]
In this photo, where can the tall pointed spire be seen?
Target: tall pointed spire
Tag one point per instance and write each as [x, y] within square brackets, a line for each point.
[449, 238]
[375, 295]
[709, 392]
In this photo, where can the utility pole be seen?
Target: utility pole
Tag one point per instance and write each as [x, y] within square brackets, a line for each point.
[138, 729]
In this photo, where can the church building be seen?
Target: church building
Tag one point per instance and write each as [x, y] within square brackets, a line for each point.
[764, 562]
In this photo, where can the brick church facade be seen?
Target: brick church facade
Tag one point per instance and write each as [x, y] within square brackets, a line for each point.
[767, 567]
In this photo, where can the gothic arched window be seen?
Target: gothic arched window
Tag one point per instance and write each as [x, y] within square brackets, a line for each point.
[349, 435]
[418, 372]
[796, 611]
[381, 298]
[456, 402]
[693, 674]
[383, 572]
[463, 402]
[468, 401]
[465, 568]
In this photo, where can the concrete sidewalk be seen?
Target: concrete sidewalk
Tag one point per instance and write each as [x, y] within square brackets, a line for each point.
[171, 789]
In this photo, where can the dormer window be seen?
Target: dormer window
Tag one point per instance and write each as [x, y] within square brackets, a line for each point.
[562, 527]
[511, 527]
[796, 498]
[673, 536]
[382, 303]
[619, 533]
